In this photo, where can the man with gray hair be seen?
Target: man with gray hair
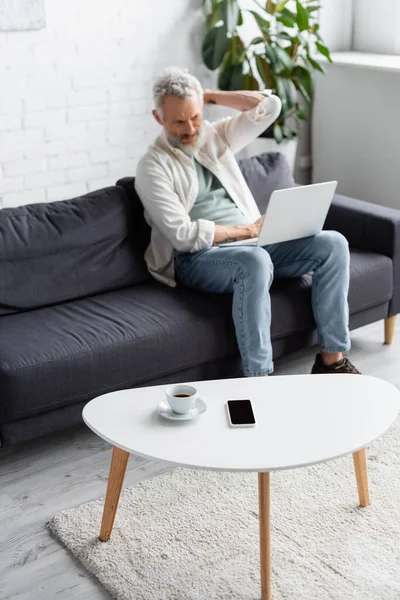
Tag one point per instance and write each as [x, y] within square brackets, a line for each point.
[195, 198]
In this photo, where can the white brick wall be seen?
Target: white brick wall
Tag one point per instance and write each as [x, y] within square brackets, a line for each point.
[75, 97]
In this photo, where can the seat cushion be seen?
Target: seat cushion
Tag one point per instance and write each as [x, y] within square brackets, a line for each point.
[59, 355]
[74, 351]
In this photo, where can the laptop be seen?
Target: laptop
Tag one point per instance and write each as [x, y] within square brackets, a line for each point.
[293, 213]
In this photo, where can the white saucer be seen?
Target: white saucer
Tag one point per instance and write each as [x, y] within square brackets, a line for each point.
[166, 411]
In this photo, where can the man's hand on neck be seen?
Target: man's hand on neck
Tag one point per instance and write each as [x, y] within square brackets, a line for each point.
[240, 99]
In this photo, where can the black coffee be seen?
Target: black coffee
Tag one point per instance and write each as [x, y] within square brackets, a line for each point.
[181, 395]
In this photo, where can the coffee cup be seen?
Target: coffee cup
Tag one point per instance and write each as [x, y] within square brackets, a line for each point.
[182, 398]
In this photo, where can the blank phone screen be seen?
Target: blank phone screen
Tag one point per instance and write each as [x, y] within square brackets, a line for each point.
[241, 412]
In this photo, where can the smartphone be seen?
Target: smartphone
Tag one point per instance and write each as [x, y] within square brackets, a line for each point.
[240, 413]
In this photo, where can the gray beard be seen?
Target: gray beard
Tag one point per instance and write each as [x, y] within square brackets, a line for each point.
[189, 150]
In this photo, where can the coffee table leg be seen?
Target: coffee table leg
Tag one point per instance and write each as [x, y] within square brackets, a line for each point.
[264, 502]
[360, 466]
[119, 462]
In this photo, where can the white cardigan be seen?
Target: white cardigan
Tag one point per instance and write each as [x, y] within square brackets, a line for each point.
[167, 185]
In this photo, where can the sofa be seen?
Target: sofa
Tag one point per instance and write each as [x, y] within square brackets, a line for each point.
[80, 316]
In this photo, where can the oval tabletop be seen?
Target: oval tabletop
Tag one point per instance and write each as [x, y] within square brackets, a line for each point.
[300, 420]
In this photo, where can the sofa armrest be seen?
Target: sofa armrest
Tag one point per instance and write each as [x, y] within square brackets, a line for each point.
[370, 227]
[143, 229]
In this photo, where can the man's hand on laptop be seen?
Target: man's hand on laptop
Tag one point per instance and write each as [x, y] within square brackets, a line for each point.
[257, 226]
[225, 234]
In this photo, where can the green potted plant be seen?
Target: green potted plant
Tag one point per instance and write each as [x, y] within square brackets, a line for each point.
[281, 57]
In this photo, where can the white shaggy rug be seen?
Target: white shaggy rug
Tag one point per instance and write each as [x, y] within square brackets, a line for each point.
[193, 535]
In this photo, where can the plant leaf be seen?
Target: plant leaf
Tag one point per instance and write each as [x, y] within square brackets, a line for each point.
[264, 71]
[271, 55]
[292, 14]
[229, 13]
[302, 16]
[305, 77]
[281, 6]
[303, 91]
[237, 50]
[285, 36]
[212, 19]
[301, 113]
[291, 92]
[287, 92]
[261, 22]
[283, 57]
[289, 14]
[323, 50]
[240, 19]
[256, 40]
[237, 77]
[270, 7]
[231, 78]
[215, 45]
[311, 9]
[315, 64]
[278, 133]
[285, 21]
[250, 82]
[287, 132]
[281, 92]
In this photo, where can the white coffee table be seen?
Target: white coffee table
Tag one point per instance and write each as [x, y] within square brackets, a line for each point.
[301, 420]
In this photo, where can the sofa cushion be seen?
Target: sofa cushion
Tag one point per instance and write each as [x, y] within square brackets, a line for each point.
[57, 251]
[265, 173]
[59, 355]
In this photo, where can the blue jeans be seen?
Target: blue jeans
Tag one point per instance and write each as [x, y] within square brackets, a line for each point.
[248, 271]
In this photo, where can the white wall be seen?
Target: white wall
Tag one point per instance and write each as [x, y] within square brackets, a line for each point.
[336, 29]
[356, 119]
[75, 99]
[336, 23]
[356, 132]
[376, 26]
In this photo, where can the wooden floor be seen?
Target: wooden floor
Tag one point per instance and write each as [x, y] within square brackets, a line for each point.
[64, 470]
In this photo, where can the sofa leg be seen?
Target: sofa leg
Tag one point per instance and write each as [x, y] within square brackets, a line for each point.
[390, 324]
